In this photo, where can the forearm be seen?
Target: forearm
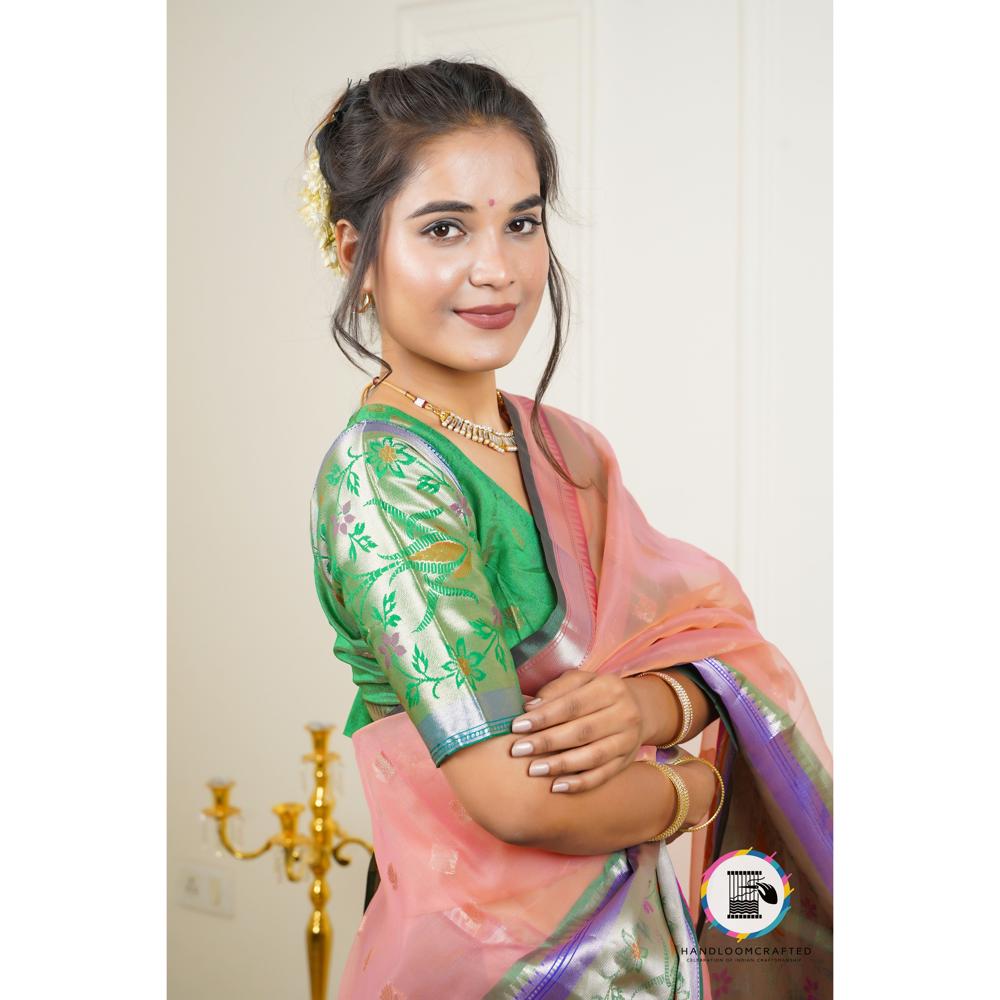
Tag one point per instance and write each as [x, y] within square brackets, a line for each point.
[638, 802]
[661, 711]
[635, 805]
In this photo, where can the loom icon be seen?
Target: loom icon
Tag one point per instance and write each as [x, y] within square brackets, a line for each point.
[747, 888]
[745, 893]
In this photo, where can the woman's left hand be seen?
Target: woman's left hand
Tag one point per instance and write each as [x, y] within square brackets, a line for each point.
[593, 719]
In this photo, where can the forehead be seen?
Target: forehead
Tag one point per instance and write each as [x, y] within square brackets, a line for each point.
[474, 166]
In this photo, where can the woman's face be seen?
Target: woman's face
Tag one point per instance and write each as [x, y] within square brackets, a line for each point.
[490, 250]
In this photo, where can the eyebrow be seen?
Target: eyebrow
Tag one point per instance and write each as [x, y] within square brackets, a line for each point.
[463, 206]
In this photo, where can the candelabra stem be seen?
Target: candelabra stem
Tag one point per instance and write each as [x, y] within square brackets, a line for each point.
[319, 941]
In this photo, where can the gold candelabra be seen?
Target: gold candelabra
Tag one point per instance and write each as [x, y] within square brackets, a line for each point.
[325, 840]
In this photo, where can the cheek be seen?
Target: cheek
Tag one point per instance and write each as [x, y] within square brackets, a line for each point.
[419, 276]
[537, 265]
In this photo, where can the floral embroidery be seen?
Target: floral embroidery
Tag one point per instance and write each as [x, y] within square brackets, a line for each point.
[389, 992]
[392, 876]
[635, 971]
[463, 667]
[397, 542]
[350, 479]
[468, 665]
[343, 522]
[721, 980]
[384, 769]
[390, 647]
[632, 956]
[445, 551]
[811, 987]
[341, 525]
[387, 617]
[613, 993]
[443, 859]
[389, 455]
[644, 607]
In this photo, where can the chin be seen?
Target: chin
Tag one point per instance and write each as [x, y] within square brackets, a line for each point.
[477, 365]
[476, 359]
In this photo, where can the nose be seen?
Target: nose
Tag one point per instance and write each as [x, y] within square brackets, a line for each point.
[490, 265]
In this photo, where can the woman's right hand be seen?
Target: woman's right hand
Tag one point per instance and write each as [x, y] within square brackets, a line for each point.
[585, 730]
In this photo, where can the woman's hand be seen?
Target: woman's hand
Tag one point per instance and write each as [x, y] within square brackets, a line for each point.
[593, 719]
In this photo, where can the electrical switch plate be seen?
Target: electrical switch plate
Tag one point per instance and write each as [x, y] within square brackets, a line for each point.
[204, 888]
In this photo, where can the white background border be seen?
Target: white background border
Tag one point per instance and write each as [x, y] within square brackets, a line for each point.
[916, 320]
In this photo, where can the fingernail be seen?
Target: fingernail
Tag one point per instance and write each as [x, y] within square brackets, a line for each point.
[539, 767]
[561, 786]
[533, 703]
[521, 748]
[521, 726]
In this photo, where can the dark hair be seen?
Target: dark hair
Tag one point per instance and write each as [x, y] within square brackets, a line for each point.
[367, 144]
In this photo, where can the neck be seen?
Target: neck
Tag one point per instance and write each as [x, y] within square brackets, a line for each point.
[470, 394]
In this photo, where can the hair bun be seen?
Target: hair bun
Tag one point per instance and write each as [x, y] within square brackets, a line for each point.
[326, 131]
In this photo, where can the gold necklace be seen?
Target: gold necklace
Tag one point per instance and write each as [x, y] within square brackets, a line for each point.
[480, 433]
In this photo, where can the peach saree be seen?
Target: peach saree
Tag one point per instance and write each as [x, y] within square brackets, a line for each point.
[459, 914]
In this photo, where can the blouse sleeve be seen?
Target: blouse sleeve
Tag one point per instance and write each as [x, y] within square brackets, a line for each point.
[395, 543]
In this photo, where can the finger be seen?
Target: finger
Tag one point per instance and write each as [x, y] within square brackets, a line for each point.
[581, 758]
[581, 701]
[577, 731]
[591, 779]
[566, 681]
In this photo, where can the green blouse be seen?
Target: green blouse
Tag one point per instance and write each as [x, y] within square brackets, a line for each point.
[429, 572]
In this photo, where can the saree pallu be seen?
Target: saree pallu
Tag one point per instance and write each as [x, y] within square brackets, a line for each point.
[459, 914]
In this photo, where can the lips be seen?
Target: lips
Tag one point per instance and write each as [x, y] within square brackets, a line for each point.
[488, 317]
[489, 310]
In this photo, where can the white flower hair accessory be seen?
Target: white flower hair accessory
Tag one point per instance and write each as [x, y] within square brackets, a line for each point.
[315, 209]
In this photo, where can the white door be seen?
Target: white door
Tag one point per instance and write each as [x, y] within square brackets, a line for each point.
[696, 154]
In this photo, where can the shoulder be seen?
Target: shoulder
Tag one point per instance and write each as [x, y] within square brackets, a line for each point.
[385, 450]
[384, 464]
[567, 427]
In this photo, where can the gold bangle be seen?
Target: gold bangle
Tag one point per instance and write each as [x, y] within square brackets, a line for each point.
[722, 788]
[683, 798]
[687, 710]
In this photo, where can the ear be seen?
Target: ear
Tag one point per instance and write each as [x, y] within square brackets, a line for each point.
[347, 244]
[348, 239]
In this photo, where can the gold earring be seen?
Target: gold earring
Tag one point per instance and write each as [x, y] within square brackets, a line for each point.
[367, 301]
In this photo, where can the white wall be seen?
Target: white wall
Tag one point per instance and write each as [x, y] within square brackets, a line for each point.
[696, 152]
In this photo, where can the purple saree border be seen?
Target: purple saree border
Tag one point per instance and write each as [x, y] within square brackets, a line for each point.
[569, 962]
[811, 821]
[564, 962]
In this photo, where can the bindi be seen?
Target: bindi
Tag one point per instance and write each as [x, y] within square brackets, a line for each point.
[491, 202]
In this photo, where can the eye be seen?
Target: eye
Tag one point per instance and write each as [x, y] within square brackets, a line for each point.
[440, 225]
[535, 225]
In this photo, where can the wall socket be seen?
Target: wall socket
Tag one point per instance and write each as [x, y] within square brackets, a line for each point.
[204, 888]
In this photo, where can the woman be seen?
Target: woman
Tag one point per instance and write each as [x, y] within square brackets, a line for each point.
[474, 547]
